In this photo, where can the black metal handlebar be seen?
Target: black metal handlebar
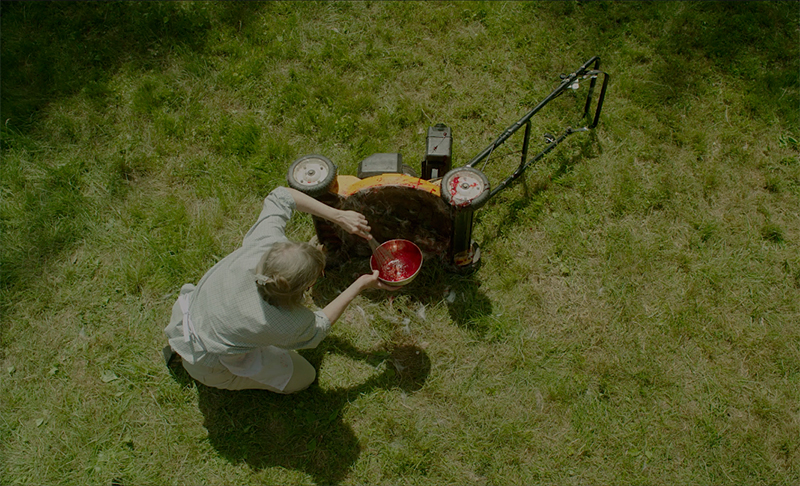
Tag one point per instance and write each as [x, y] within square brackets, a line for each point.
[567, 82]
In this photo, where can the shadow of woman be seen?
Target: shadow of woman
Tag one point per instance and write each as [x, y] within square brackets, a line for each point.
[304, 431]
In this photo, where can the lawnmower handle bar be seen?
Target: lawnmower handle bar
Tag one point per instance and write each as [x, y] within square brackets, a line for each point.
[566, 83]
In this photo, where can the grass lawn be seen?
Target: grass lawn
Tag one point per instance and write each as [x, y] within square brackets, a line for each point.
[635, 319]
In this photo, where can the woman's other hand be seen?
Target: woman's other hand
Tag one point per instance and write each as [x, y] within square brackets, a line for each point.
[371, 281]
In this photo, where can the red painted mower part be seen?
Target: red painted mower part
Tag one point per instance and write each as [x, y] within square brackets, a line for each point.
[399, 180]
[404, 265]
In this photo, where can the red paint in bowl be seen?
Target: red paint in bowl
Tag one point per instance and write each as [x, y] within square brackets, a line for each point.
[404, 265]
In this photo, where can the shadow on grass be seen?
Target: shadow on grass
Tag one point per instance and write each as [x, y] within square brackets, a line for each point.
[56, 49]
[304, 431]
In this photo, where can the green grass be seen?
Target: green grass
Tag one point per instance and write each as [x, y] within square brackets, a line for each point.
[636, 318]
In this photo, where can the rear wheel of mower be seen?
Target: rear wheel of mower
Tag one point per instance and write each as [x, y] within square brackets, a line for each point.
[311, 174]
[465, 187]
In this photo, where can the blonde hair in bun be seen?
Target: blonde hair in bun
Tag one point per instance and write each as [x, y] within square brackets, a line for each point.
[286, 270]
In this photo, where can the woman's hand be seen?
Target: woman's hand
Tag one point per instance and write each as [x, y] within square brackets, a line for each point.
[354, 223]
[371, 281]
[351, 221]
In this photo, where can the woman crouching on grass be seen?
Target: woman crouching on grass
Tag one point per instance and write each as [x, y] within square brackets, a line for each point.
[238, 328]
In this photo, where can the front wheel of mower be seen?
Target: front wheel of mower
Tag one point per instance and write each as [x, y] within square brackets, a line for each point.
[312, 175]
[465, 187]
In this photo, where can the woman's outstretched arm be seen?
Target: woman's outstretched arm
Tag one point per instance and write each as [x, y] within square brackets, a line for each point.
[351, 221]
[367, 281]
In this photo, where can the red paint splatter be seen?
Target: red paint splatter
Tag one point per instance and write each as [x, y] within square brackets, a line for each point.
[453, 186]
[454, 192]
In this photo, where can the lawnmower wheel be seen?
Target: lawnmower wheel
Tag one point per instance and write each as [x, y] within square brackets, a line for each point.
[311, 174]
[465, 187]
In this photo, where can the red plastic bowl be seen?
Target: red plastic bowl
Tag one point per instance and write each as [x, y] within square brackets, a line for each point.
[404, 265]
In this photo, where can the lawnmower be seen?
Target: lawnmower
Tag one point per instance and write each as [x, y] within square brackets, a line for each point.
[434, 210]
